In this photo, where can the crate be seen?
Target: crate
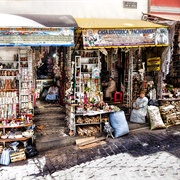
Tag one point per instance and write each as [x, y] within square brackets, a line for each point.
[18, 156]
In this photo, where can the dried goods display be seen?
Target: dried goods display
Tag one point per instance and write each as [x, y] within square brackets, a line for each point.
[88, 130]
[170, 111]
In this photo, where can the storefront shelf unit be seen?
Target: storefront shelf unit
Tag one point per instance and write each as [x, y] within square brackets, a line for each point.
[14, 127]
[96, 116]
[85, 62]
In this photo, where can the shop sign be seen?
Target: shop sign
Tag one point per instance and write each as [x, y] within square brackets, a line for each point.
[153, 64]
[37, 36]
[124, 37]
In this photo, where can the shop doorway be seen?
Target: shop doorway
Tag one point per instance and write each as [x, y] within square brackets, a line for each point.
[50, 71]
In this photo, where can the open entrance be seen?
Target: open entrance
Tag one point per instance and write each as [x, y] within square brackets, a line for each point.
[50, 73]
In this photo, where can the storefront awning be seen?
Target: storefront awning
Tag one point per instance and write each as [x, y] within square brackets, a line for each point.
[34, 30]
[97, 23]
[98, 33]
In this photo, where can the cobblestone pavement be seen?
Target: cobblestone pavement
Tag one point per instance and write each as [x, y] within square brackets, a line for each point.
[142, 154]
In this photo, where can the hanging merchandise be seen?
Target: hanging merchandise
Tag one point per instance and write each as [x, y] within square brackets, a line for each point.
[56, 70]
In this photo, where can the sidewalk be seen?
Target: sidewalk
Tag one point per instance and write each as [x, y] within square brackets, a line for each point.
[143, 148]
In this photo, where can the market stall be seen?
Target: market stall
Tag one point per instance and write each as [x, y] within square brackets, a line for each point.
[23, 48]
[128, 50]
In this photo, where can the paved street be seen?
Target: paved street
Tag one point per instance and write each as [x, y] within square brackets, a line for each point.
[142, 154]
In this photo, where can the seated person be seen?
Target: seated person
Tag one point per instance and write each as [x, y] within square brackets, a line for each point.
[111, 88]
[52, 93]
[139, 109]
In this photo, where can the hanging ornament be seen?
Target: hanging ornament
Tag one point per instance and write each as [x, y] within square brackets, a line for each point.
[56, 70]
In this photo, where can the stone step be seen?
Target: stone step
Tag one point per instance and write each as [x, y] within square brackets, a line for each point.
[47, 142]
[38, 111]
[51, 124]
[51, 131]
[49, 118]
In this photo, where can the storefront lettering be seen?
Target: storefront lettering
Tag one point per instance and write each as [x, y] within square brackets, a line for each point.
[103, 32]
[120, 31]
[126, 31]
[142, 31]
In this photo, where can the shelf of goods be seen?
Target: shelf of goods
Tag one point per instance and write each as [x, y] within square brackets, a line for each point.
[16, 81]
[90, 123]
[174, 73]
[127, 95]
[170, 111]
[9, 92]
[15, 130]
[26, 84]
[87, 71]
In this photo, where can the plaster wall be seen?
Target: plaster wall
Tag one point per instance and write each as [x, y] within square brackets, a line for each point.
[76, 8]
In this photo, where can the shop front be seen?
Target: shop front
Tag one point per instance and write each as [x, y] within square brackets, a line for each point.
[130, 51]
[31, 57]
[169, 75]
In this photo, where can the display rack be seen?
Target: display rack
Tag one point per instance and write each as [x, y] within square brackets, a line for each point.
[26, 82]
[85, 63]
[7, 127]
[9, 68]
[128, 72]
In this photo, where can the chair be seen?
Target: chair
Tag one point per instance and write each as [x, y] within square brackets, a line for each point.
[117, 97]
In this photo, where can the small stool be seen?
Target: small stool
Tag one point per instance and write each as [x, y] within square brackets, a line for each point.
[118, 96]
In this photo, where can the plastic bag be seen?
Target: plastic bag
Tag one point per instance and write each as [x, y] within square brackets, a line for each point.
[5, 157]
[156, 121]
[31, 151]
[153, 103]
[119, 123]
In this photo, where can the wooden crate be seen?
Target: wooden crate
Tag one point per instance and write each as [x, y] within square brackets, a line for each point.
[18, 156]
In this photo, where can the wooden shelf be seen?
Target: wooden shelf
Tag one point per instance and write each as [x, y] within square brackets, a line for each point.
[170, 99]
[14, 139]
[20, 126]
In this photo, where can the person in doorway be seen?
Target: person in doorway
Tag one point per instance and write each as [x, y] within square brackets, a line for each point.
[139, 111]
[111, 88]
[52, 93]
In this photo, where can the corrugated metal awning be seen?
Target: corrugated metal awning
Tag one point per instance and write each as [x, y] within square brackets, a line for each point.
[97, 23]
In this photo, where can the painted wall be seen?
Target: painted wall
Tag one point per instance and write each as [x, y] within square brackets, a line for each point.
[166, 3]
[165, 6]
[76, 8]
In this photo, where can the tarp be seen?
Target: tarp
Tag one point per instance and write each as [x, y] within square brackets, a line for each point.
[35, 20]
[9, 20]
[52, 20]
[98, 23]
